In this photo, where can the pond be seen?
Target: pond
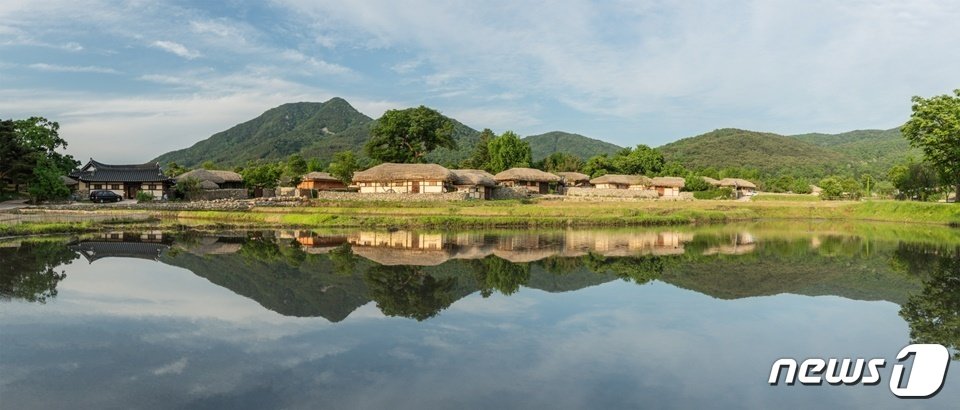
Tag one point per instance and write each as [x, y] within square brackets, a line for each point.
[688, 317]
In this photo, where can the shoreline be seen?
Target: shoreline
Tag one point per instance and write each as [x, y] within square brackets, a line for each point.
[462, 215]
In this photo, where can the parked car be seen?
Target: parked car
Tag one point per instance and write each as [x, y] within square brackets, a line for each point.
[105, 196]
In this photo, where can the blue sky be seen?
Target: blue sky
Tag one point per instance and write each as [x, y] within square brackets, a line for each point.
[131, 80]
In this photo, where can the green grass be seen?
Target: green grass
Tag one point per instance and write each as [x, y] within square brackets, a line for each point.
[786, 197]
[40, 228]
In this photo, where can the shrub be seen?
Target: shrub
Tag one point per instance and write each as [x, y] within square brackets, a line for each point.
[719, 193]
[143, 196]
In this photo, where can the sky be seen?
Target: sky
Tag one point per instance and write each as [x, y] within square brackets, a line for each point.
[130, 80]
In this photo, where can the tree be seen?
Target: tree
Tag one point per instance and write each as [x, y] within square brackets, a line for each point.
[187, 188]
[801, 186]
[934, 127]
[408, 135]
[314, 165]
[509, 151]
[46, 183]
[24, 143]
[638, 161]
[262, 176]
[294, 169]
[409, 292]
[694, 183]
[597, 165]
[480, 158]
[173, 169]
[208, 165]
[915, 180]
[343, 166]
[561, 162]
[837, 187]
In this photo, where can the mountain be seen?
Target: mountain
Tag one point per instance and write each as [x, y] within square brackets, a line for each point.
[876, 151]
[767, 152]
[558, 141]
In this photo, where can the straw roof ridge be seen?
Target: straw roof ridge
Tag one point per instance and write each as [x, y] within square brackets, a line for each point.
[319, 176]
[711, 181]
[621, 179]
[473, 177]
[388, 172]
[738, 182]
[670, 182]
[201, 175]
[573, 176]
[526, 174]
[227, 176]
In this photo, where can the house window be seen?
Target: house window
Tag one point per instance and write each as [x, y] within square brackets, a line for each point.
[97, 186]
[115, 186]
[152, 187]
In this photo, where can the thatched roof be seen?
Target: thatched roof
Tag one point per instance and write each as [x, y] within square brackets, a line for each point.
[737, 182]
[669, 182]
[390, 172]
[711, 181]
[574, 177]
[68, 181]
[213, 175]
[319, 176]
[526, 174]
[621, 179]
[473, 177]
[206, 184]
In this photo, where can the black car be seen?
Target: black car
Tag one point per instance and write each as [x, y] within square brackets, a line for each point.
[105, 196]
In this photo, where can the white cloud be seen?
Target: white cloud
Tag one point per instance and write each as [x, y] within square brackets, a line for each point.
[176, 48]
[73, 68]
[176, 367]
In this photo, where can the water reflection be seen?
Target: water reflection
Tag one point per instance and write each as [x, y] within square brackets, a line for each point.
[498, 318]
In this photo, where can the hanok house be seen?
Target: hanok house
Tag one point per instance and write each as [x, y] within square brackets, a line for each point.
[320, 181]
[533, 180]
[614, 181]
[740, 187]
[214, 179]
[667, 187]
[125, 180]
[478, 184]
[405, 178]
[574, 179]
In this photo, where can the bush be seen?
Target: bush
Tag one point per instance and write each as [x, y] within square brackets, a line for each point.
[720, 193]
[694, 183]
[143, 196]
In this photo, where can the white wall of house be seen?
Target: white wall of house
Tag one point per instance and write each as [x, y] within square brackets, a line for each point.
[155, 188]
[400, 187]
[669, 192]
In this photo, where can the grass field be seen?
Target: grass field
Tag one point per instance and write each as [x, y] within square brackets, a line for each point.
[514, 214]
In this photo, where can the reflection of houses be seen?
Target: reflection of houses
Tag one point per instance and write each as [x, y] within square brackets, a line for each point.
[125, 180]
[626, 243]
[574, 179]
[404, 178]
[400, 247]
[528, 247]
[314, 243]
[667, 187]
[320, 181]
[533, 180]
[741, 243]
[478, 184]
[147, 245]
[211, 245]
[614, 181]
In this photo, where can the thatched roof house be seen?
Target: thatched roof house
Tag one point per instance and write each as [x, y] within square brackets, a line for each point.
[477, 183]
[711, 181]
[740, 187]
[667, 186]
[615, 181]
[220, 179]
[404, 178]
[533, 180]
[320, 181]
[574, 179]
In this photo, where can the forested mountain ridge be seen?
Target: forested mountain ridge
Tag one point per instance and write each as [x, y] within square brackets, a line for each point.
[578, 145]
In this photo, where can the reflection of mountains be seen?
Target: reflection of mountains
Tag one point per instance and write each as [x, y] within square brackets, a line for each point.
[307, 274]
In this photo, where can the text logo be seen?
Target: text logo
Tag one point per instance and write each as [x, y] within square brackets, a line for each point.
[927, 372]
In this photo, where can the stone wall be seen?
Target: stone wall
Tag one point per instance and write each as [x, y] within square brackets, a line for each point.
[212, 194]
[611, 193]
[509, 192]
[402, 197]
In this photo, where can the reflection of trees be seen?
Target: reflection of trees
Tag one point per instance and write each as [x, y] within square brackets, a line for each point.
[499, 274]
[560, 265]
[934, 313]
[640, 269]
[407, 291]
[28, 273]
[915, 258]
[263, 249]
[343, 259]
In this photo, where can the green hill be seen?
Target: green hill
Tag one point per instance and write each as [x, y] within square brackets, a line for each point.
[558, 141]
[275, 134]
[875, 151]
[770, 153]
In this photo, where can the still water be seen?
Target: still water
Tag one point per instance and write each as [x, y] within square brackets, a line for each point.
[661, 318]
